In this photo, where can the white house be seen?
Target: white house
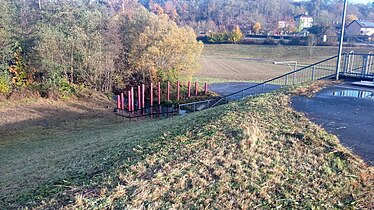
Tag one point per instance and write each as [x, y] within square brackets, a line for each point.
[360, 28]
[282, 24]
[303, 21]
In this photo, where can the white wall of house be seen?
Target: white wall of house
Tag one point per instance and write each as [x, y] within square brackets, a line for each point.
[306, 22]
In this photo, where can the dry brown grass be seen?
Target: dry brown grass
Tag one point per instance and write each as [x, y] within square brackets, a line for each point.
[239, 69]
[258, 154]
[255, 62]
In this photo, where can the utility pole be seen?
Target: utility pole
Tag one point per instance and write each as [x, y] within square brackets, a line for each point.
[341, 39]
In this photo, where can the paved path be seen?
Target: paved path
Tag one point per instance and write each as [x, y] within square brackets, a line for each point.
[346, 111]
[227, 88]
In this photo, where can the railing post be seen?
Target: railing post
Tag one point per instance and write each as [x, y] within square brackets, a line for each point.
[118, 102]
[129, 100]
[364, 65]
[178, 90]
[206, 89]
[196, 88]
[168, 91]
[286, 80]
[132, 99]
[159, 93]
[143, 96]
[345, 63]
[122, 100]
[151, 94]
[313, 69]
[189, 89]
[139, 98]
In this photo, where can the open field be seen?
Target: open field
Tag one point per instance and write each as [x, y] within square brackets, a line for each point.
[255, 62]
[257, 153]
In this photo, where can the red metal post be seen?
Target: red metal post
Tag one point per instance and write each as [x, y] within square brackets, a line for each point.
[189, 89]
[151, 94]
[159, 93]
[132, 99]
[206, 88]
[143, 96]
[168, 91]
[178, 91]
[122, 100]
[129, 100]
[118, 102]
[196, 88]
[139, 98]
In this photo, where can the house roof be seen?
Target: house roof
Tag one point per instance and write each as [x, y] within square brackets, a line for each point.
[302, 16]
[363, 24]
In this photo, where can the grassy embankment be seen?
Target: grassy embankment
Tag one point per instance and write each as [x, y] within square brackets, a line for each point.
[255, 62]
[255, 153]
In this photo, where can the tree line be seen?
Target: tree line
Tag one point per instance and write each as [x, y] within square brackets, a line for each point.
[58, 47]
[224, 15]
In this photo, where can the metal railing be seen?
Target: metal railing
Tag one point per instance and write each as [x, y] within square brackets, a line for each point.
[320, 70]
[154, 111]
[357, 64]
[196, 106]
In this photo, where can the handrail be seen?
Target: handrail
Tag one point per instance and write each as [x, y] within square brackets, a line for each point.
[273, 79]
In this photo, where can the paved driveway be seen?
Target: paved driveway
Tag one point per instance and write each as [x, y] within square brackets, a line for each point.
[346, 111]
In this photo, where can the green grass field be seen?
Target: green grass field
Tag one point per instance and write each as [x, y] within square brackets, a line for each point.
[255, 62]
[257, 153]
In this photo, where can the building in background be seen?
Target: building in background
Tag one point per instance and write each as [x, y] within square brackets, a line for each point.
[303, 21]
[360, 28]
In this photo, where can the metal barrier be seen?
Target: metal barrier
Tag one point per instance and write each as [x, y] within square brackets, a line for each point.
[196, 106]
[154, 111]
[356, 64]
[352, 64]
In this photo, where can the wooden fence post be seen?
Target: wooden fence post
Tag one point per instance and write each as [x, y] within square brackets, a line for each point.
[206, 89]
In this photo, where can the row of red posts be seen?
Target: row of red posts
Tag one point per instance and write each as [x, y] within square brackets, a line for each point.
[141, 95]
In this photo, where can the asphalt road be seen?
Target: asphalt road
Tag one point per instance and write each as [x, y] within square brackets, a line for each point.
[224, 89]
[346, 111]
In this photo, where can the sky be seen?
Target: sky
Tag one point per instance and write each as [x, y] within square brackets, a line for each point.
[360, 1]
[355, 1]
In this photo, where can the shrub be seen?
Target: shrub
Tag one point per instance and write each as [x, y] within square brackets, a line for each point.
[5, 85]
[270, 41]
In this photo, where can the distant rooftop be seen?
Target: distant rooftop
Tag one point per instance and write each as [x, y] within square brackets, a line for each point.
[303, 16]
[365, 24]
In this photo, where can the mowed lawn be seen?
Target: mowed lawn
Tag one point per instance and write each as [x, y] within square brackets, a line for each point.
[256, 153]
[256, 62]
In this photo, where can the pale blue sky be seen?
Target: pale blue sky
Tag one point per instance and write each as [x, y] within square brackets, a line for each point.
[353, 1]
[360, 1]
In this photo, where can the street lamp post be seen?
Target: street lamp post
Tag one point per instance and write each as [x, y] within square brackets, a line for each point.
[341, 39]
